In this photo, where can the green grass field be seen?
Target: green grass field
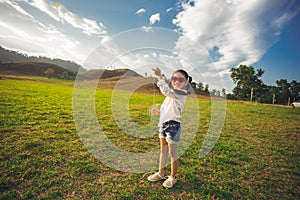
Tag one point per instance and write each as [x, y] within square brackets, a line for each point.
[42, 156]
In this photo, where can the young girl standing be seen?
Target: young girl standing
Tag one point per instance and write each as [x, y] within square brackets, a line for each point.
[169, 122]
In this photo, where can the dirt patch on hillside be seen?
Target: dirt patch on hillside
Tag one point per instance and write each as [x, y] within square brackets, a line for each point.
[138, 84]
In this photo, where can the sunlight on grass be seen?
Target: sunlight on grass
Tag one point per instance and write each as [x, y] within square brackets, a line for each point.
[43, 157]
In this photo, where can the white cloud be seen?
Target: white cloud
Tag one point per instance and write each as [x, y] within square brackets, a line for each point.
[169, 9]
[140, 11]
[39, 41]
[154, 18]
[88, 26]
[241, 30]
[233, 32]
[45, 7]
[17, 8]
[23, 29]
[146, 28]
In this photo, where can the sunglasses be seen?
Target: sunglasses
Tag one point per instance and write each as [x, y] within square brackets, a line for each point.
[179, 79]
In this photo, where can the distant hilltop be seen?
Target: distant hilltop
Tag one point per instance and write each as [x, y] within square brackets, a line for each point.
[7, 56]
[105, 73]
[29, 68]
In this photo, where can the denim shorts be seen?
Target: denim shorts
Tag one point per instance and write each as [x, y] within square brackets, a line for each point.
[171, 131]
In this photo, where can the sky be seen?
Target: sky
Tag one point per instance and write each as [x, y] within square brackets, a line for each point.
[205, 37]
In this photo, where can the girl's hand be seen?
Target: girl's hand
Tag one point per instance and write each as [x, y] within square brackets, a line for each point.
[155, 110]
[157, 71]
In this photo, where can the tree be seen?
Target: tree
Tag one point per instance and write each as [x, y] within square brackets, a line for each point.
[65, 75]
[283, 91]
[200, 86]
[223, 92]
[193, 84]
[206, 88]
[246, 79]
[265, 94]
[216, 92]
[295, 90]
[231, 96]
[49, 72]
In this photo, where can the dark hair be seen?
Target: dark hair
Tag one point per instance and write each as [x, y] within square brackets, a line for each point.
[185, 74]
[187, 87]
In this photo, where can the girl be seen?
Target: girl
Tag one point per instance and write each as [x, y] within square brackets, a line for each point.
[169, 122]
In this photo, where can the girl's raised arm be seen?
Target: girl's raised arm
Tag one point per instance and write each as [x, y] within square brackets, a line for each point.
[157, 72]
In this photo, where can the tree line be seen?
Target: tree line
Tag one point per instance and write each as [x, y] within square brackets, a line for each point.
[50, 73]
[250, 87]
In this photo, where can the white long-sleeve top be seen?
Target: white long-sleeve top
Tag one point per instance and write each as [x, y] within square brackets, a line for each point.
[172, 105]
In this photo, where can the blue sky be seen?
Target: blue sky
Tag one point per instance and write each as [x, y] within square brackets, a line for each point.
[205, 37]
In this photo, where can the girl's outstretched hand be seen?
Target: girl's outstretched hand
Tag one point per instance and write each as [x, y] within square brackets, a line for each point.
[156, 71]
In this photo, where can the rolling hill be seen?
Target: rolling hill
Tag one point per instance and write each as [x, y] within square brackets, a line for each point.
[14, 56]
[29, 68]
[104, 73]
[124, 79]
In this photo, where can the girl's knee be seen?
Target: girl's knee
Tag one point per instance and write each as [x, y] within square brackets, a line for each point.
[164, 150]
[173, 155]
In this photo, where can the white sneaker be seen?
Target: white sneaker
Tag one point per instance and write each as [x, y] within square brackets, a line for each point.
[170, 182]
[155, 177]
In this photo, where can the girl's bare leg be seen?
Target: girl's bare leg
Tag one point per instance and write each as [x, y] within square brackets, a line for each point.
[163, 155]
[174, 159]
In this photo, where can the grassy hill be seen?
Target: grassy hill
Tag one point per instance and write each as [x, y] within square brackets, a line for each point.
[104, 73]
[31, 69]
[14, 56]
[42, 156]
[126, 79]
